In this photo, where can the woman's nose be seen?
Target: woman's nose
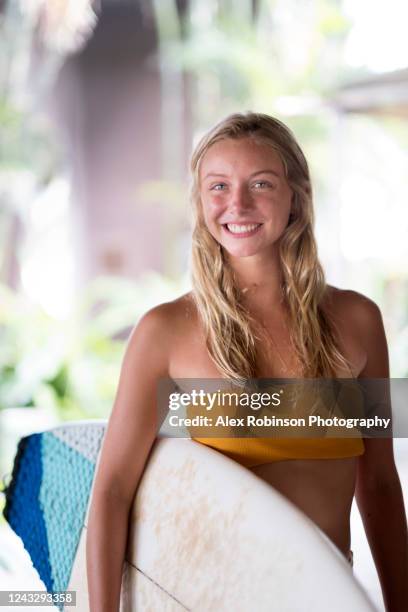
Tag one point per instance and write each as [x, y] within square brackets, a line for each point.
[240, 200]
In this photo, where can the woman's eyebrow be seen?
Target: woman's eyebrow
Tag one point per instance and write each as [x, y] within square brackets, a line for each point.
[266, 171]
[213, 174]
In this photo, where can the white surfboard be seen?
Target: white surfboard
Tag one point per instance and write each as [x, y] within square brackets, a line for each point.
[208, 535]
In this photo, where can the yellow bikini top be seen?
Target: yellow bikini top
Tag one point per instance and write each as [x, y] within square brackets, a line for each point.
[256, 450]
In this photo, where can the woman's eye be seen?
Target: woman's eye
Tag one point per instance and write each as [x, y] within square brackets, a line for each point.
[218, 187]
[262, 184]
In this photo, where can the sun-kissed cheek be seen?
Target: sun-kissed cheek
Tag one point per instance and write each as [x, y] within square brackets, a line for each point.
[213, 211]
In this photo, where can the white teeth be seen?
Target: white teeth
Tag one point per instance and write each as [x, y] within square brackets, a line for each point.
[241, 229]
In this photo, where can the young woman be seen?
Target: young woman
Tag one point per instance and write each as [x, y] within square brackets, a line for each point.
[259, 308]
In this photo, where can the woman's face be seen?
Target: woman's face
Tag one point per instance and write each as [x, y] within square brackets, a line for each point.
[245, 196]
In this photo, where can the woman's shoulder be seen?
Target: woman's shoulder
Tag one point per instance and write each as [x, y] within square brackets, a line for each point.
[360, 330]
[170, 316]
[351, 306]
[160, 330]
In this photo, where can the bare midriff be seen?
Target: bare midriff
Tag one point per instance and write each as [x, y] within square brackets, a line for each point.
[321, 489]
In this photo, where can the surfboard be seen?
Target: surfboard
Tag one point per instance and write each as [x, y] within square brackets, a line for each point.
[205, 534]
[48, 495]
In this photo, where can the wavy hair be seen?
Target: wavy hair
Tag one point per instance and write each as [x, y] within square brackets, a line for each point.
[230, 337]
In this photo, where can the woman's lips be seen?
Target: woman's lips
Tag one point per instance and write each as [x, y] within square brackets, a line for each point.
[241, 230]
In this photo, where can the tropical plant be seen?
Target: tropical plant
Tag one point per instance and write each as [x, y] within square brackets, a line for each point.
[72, 366]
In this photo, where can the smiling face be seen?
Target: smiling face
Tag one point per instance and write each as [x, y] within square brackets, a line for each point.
[245, 196]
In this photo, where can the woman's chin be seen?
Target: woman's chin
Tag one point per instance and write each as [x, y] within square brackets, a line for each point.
[241, 251]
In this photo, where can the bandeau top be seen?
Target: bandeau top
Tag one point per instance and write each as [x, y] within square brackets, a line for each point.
[256, 450]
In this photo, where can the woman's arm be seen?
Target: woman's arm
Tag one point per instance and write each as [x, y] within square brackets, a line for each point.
[381, 505]
[130, 433]
[378, 489]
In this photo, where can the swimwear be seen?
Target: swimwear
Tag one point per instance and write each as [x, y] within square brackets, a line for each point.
[255, 450]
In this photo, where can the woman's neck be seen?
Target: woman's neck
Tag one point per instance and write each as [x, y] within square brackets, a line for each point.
[259, 280]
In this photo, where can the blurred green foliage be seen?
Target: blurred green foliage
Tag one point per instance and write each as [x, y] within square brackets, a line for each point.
[72, 366]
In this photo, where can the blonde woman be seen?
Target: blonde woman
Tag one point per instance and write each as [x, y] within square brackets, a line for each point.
[259, 308]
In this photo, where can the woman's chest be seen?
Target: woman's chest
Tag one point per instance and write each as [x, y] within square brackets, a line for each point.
[276, 357]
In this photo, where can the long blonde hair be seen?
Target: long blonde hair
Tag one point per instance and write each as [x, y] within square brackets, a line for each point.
[230, 337]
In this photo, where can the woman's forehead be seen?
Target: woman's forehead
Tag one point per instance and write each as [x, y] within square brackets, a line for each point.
[231, 155]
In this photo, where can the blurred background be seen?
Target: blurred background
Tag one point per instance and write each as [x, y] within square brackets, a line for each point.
[100, 105]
